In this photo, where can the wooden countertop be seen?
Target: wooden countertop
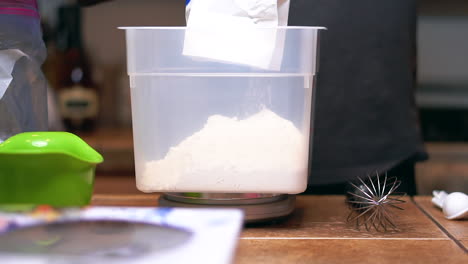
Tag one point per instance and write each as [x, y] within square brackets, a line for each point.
[456, 230]
[317, 232]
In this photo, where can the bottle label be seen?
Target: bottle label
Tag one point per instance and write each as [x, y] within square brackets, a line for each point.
[78, 103]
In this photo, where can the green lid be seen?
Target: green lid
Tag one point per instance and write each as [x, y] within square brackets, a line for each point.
[65, 143]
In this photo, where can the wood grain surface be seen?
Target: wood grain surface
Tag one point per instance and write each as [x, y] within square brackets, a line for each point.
[329, 251]
[325, 217]
[317, 231]
[458, 229]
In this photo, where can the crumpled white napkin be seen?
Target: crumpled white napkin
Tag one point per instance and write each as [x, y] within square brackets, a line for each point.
[454, 205]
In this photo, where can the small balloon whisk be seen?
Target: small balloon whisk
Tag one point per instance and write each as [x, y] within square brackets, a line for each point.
[372, 202]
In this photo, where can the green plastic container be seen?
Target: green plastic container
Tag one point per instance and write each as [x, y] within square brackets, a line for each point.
[54, 168]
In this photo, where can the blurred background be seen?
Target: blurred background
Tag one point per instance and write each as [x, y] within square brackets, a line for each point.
[87, 50]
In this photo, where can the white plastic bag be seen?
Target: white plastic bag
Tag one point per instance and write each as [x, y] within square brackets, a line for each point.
[23, 100]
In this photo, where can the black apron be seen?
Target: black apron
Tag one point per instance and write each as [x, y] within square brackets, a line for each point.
[365, 113]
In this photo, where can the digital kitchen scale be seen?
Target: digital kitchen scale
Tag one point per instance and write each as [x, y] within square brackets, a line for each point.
[257, 207]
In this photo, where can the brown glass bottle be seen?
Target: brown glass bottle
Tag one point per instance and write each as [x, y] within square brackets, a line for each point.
[77, 94]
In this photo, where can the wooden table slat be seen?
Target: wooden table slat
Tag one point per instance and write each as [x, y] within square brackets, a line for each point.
[325, 216]
[348, 251]
[457, 228]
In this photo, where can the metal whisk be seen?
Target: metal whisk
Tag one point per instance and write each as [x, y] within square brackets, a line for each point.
[371, 204]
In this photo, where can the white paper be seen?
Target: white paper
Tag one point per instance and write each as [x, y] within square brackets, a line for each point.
[215, 233]
[224, 30]
[283, 12]
[8, 60]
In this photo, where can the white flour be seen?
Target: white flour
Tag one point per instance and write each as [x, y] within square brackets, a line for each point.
[263, 153]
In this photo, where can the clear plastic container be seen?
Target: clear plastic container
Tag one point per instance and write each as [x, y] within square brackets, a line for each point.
[206, 125]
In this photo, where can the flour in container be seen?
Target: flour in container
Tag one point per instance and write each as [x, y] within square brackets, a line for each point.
[262, 153]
